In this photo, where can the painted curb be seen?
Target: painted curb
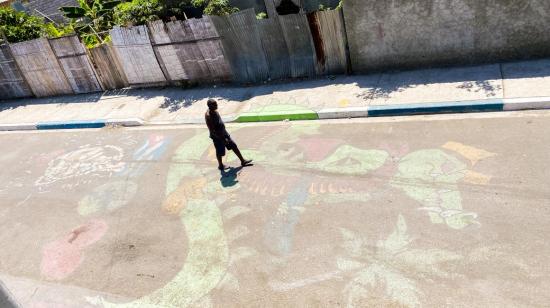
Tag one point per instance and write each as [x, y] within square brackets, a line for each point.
[436, 108]
[514, 104]
[22, 126]
[270, 117]
[79, 124]
[490, 105]
[344, 113]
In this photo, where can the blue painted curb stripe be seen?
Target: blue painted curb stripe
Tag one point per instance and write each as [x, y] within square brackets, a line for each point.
[71, 124]
[430, 108]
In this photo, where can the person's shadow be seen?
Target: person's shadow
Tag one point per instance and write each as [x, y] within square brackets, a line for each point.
[229, 175]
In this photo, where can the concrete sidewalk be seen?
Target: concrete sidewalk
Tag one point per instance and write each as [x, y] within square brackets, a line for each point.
[438, 90]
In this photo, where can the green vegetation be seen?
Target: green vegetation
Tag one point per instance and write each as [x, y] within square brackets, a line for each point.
[92, 20]
[262, 15]
[18, 26]
[137, 12]
[328, 8]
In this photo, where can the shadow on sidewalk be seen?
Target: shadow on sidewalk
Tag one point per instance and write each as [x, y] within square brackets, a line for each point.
[482, 78]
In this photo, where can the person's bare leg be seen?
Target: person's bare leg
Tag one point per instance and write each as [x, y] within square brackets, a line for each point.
[220, 162]
[244, 162]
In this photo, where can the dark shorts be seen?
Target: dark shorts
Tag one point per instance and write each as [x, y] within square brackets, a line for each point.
[221, 145]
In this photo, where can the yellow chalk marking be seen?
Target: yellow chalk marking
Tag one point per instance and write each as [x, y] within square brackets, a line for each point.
[343, 102]
[476, 178]
[471, 153]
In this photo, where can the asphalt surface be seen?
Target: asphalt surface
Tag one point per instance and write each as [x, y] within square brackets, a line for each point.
[430, 211]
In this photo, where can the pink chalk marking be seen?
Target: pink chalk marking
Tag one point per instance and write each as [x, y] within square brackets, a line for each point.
[317, 149]
[62, 257]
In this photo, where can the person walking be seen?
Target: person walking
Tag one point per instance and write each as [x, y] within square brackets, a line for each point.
[220, 136]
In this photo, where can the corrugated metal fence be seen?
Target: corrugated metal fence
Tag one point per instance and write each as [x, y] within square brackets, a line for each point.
[189, 50]
[12, 83]
[74, 61]
[39, 65]
[237, 47]
[137, 57]
[285, 46]
[108, 67]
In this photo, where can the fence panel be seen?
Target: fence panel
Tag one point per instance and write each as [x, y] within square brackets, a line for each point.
[137, 57]
[300, 44]
[39, 65]
[177, 50]
[275, 48]
[242, 45]
[72, 56]
[329, 37]
[108, 67]
[12, 83]
[211, 49]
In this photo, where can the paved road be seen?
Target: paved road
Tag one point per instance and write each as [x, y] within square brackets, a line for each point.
[424, 211]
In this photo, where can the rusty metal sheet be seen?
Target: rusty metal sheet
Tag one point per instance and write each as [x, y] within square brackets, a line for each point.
[330, 41]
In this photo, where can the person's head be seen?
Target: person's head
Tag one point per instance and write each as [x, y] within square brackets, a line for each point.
[212, 104]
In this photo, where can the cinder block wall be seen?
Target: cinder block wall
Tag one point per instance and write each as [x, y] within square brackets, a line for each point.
[386, 34]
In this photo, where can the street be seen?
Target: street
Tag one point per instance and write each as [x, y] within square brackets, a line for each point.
[434, 211]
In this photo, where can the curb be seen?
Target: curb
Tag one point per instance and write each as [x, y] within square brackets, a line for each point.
[76, 124]
[282, 116]
[22, 126]
[489, 105]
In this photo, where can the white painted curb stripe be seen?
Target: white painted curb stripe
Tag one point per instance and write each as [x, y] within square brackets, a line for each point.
[125, 122]
[511, 104]
[21, 126]
[343, 113]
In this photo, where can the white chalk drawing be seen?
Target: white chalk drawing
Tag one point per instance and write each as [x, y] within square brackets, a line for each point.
[88, 160]
[382, 268]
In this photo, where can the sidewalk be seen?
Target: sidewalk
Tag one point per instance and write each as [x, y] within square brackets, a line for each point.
[476, 88]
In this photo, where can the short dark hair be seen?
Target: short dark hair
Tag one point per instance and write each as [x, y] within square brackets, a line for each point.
[211, 103]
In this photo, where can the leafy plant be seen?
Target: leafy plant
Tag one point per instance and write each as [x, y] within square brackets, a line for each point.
[216, 7]
[92, 19]
[262, 15]
[18, 26]
[51, 30]
[138, 12]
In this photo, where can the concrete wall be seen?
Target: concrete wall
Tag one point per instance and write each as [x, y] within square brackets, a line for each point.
[411, 33]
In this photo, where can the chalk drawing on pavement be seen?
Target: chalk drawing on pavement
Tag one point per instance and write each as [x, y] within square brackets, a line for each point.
[151, 150]
[107, 197]
[380, 271]
[88, 160]
[62, 257]
[431, 177]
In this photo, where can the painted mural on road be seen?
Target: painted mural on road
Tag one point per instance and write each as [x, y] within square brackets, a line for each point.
[259, 217]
